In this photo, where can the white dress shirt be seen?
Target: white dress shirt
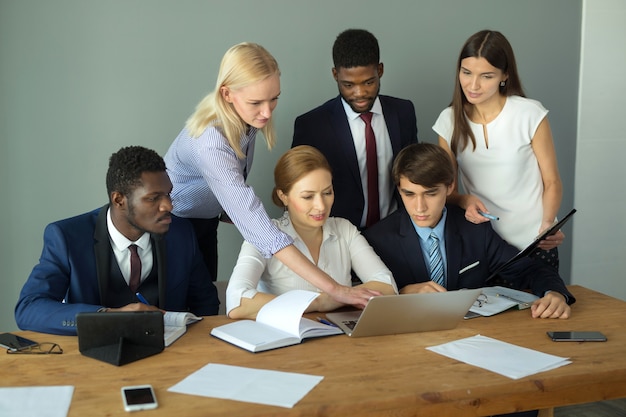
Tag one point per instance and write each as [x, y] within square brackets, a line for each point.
[343, 248]
[384, 154]
[120, 244]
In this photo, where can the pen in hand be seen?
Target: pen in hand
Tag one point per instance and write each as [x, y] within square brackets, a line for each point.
[489, 216]
[142, 299]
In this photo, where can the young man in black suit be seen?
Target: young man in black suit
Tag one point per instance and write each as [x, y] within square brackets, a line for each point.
[424, 176]
[337, 129]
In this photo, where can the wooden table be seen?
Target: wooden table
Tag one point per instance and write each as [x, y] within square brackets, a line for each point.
[376, 376]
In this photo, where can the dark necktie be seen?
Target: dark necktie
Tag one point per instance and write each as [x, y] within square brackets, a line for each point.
[135, 268]
[435, 263]
[373, 212]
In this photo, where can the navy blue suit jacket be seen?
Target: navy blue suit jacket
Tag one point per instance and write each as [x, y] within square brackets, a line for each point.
[73, 274]
[326, 128]
[396, 242]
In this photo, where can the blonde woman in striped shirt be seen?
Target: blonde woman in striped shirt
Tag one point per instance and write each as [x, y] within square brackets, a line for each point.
[211, 158]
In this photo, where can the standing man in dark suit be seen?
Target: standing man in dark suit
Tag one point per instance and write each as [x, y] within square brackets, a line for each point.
[469, 252]
[360, 158]
[100, 261]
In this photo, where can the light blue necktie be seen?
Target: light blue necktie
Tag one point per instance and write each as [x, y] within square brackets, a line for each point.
[435, 263]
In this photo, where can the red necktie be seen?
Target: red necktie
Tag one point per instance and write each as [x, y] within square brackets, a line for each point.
[135, 269]
[373, 212]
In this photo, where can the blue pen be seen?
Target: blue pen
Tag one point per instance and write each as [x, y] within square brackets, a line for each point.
[142, 299]
[489, 216]
[326, 322]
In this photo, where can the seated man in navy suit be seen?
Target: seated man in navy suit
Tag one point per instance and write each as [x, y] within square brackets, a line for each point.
[87, 264]
[361, 164]
[424, 176]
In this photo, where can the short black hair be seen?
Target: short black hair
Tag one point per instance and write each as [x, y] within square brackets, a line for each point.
[127, 165]
[355, 48]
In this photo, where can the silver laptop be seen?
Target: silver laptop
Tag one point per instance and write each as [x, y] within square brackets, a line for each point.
[406, 313]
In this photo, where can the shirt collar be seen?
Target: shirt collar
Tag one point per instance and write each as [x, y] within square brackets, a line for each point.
[120, 241]
[377, 108]
[424, 232]
[327, 232]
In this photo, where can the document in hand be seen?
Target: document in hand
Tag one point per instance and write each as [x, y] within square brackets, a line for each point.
[175, 325]
[279, 323]
[494, 300]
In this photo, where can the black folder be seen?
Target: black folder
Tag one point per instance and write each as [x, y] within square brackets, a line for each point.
[530, 248]
[119, 338]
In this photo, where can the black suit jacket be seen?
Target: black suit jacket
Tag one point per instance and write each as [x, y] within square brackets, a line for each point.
[326, 128]
[396, 242]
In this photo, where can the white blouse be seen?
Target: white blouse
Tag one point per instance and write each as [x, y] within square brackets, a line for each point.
[505, 175]
[343, 248]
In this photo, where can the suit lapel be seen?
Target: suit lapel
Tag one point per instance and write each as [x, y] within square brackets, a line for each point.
[341, 127]
[102, 252]
[161, 261]
[454, 250]
[393, 124]
[412, 249]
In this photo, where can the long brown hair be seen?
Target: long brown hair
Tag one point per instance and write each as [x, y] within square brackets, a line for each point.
[497, 50]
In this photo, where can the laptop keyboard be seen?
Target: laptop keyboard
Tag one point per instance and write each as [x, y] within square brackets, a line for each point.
[350, 324]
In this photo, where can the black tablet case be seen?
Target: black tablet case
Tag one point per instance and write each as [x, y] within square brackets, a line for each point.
[119, 338]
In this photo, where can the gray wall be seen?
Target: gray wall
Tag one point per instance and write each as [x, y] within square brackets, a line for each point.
[79, 79]
[600, 228]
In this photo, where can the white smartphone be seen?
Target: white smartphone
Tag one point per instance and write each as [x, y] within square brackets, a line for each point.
[139, 397]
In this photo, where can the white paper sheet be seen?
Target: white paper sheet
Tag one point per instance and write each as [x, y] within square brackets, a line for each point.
[500, 357]
[36, 401]
[282, 389]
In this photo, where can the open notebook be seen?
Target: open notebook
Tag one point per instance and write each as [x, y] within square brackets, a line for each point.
[406, 313]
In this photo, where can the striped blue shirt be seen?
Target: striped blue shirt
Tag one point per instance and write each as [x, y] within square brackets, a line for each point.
[208, 178]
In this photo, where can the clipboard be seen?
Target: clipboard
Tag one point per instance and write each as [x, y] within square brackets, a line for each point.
[556, 226]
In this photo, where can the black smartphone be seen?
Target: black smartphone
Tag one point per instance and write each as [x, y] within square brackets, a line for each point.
[14, 342]
[139, 397]
[577, 336]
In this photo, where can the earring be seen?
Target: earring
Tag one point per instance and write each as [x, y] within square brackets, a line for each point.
[284, 219]
[502, 83]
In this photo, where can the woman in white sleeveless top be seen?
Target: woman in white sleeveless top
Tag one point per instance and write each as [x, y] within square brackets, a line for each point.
[502, 144]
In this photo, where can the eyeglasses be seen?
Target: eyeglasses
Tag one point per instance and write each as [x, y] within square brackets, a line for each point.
[482, 299]
[46, 348]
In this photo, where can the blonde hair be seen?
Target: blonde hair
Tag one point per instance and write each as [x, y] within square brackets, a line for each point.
[293, 165]
[242, 65]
